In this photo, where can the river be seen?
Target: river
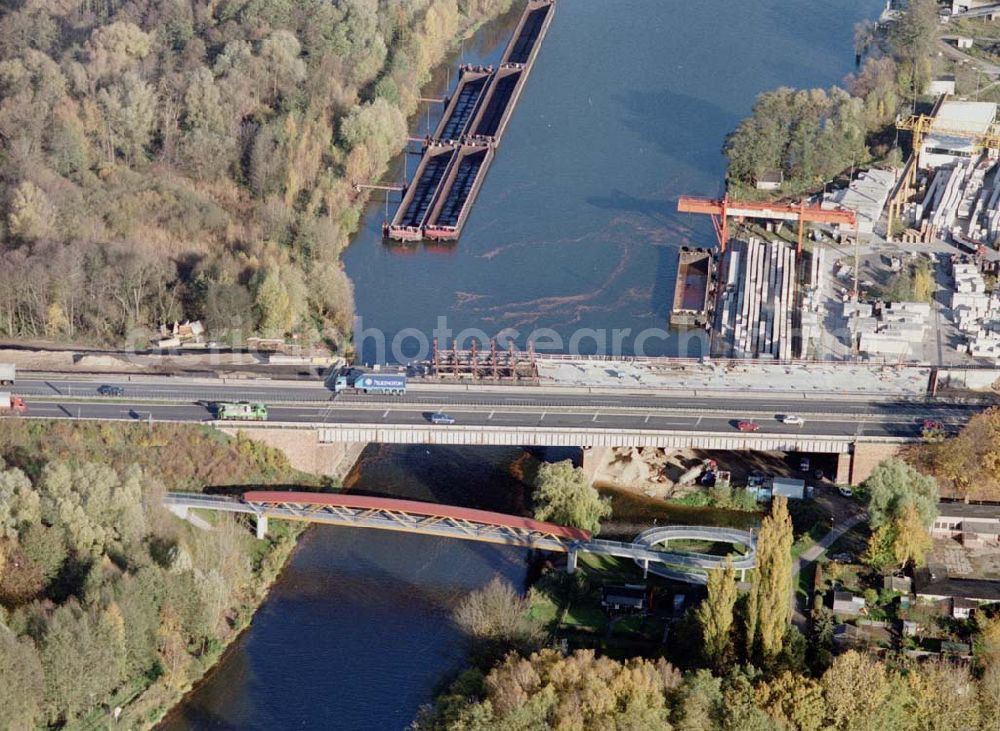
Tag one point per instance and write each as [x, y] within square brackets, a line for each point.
[625, 110]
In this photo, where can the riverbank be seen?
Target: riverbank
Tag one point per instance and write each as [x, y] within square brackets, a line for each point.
[117, 606]
[155, 704]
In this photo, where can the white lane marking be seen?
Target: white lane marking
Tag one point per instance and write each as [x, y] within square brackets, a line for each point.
[697, 423]
[542, 418]
[491, 415]
[386, 414]
[595, 418]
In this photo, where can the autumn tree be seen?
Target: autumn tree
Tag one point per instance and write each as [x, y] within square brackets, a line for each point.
[769, 601]
[944, 696]
[563, 495]
[715, 614]
[862, 694]
[966, 465]
[498, 619]
[794, 700]
[579, 691]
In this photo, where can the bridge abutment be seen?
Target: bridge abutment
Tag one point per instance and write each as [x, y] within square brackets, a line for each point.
[304, 449]
[571, 561]
[866, 456]
[261, 527]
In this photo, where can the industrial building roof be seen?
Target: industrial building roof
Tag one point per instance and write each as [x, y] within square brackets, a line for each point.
[947, 509]
[866, 195]
[972, 117]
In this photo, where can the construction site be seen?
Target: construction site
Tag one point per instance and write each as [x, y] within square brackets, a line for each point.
[896, 266]
[484, 365]
[750, 293]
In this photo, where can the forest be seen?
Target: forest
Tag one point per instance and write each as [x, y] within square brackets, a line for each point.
[106, 599]
[194, 159]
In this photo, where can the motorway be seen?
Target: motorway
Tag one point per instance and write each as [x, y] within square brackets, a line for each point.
[173, 399]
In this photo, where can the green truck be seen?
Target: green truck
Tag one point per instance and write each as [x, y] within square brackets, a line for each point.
[241, 411]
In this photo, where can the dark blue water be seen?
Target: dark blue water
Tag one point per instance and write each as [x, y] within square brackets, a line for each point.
[575, 227]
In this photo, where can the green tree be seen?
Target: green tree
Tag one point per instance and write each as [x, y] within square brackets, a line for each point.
[895, 483]
[715, 615]
[700, 702]
[562, 495]
[31, 216]
[769, 603]
[22, 687]
[72, 647]
[20, 505]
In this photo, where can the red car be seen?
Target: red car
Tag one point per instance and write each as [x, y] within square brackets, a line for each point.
[748, 426]
[932, 425]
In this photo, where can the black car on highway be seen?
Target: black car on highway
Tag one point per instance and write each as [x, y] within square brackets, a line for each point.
[108, 390]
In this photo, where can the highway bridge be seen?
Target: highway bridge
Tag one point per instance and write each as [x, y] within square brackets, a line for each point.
[511, 415]
[650, 550]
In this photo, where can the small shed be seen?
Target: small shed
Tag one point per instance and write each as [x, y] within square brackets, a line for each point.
[964, 42]
[903, 584]
[630, 598]
[845, 602]
[962, 608]
[942, 85]
[790, 487]
[846, 635]
[769, 180]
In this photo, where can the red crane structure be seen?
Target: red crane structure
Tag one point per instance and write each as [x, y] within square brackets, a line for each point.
[721, 210]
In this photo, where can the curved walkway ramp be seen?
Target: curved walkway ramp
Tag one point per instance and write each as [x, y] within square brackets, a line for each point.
[650, 550]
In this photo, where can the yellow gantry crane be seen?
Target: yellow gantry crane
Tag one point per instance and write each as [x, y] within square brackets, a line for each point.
[920, 125]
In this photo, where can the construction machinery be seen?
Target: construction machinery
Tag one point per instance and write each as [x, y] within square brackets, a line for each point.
[722, 209]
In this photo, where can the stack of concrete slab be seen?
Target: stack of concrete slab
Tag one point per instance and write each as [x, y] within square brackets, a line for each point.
[895, 333]
[963, 201]
[812, 311]
[975, 310]
[755, 312]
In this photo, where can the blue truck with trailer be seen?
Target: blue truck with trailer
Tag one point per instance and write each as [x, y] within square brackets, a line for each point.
[393, 384]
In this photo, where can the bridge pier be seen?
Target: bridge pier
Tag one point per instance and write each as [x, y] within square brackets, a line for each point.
[261, 526]
[571, 562]
[645, 568]
[844, 462]
[593, 458]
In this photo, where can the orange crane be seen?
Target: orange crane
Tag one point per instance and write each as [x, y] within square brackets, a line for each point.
[721, 210]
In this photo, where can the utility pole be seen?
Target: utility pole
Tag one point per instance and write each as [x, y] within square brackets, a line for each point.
[857, 261]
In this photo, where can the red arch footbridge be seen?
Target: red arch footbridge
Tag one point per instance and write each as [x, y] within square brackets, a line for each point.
[649, 549]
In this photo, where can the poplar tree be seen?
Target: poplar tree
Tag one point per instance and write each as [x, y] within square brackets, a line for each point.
[715, 614]
[769, 604]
